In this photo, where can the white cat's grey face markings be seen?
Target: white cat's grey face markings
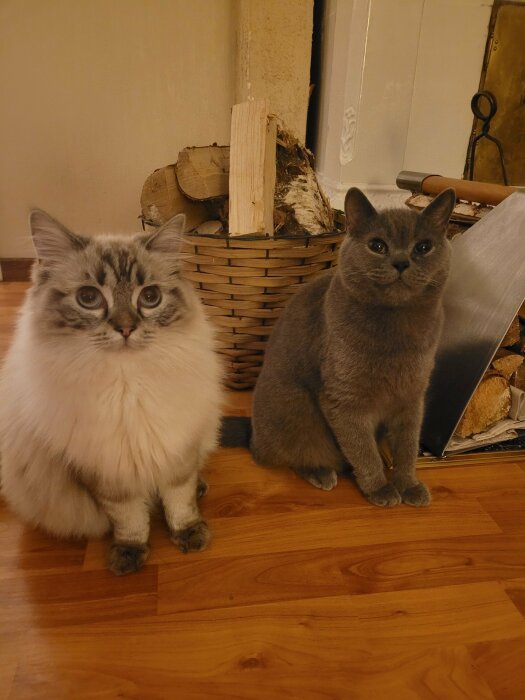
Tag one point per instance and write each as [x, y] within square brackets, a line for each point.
[395, 255]
[119, 292]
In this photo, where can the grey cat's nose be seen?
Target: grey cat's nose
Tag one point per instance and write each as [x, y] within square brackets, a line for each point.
[401, 264]
[126, 331]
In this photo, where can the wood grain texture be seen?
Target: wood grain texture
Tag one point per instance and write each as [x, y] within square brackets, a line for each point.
[302, 594]
[161, 199]
[252, 168]
[203, 172]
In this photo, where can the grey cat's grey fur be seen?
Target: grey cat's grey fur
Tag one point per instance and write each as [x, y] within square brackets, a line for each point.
[350, 358]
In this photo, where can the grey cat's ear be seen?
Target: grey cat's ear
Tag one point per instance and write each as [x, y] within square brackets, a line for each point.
[51, 239]
[438, 212]
[168, 239]
[358, 210]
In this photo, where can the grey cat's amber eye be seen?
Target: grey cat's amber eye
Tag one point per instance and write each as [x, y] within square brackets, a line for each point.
[90, 298]
[423, 247]
[150, 297]
[376, 245]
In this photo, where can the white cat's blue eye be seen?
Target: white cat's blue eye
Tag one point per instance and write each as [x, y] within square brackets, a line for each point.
[90, 298]
[423, 247]
[378, 246]
[150, 297]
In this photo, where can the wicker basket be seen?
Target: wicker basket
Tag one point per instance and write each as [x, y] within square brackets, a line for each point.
[244, 283]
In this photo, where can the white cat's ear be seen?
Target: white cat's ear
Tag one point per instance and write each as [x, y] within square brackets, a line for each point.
[358, 210]
[53, 241]
[168, 239]
[438, 212]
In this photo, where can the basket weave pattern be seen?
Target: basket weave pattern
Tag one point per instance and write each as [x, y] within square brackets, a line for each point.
[244, 284]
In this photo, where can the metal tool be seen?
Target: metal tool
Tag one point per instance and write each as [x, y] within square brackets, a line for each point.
[485, 117]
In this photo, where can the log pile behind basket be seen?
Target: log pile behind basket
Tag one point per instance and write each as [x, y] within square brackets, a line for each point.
[264, 183]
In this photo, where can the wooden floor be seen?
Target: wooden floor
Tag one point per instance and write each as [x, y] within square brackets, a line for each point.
[302, 594]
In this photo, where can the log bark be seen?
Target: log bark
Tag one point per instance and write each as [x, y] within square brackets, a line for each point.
[519, 378]
[512, 337]
[301, 207]
[506, 363]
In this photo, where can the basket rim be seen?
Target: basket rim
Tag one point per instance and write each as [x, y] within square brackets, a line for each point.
[254, 236]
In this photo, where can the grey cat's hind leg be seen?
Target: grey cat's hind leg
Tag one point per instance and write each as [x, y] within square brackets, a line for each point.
[319, 477]
[289, 431]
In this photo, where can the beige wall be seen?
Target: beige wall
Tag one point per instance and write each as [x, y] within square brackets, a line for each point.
[98, 93]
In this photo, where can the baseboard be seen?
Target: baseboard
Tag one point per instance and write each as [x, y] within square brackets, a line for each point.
[15, 269]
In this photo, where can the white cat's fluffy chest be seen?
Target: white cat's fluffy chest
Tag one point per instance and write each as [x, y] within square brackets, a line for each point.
[125, 417]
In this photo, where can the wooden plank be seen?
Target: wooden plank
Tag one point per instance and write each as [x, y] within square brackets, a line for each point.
[500, 663]
[252, 168]
[248, 674]
[254, 579]
[10, 652]
[373, 644]
[515, 589]
[335, 526]
[358, 570]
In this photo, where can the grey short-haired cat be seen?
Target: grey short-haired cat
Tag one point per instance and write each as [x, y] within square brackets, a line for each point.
[350, 358]
[110, 391]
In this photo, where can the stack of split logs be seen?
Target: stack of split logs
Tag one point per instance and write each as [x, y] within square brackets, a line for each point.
[491, 401]
[257, 227]
[263, 183]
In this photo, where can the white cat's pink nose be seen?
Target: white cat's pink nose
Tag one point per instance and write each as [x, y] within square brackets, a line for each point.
[126, 331]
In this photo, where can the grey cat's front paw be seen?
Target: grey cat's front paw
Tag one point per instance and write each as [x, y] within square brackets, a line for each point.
[192, 538]
[321, 477]
[127, 558]
[417, 495]
[386, 497]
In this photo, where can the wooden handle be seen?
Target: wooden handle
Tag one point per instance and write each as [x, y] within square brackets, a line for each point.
[482, 192]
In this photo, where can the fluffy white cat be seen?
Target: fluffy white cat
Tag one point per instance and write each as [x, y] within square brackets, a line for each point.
[111, 391]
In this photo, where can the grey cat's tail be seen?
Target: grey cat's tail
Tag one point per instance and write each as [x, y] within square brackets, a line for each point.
[236, 431]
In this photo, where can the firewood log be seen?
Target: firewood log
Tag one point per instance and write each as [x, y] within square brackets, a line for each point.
[162, 198]
[489, 403]
[506, 362]
[203, 172]
[300, 202]
[519, 378]
[252, 168]
[512, 337]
